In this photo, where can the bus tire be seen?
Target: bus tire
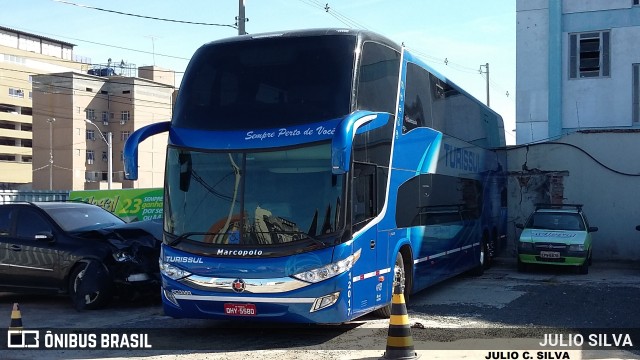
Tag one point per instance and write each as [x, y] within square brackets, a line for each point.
[484, 253]
[399, 273]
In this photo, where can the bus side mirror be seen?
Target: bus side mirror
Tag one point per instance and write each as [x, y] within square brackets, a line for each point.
[130, 152]
[357, 122]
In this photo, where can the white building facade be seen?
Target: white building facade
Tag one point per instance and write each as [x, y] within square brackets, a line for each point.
[578, 67]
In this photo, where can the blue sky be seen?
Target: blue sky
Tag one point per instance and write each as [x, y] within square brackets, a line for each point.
[454, 37]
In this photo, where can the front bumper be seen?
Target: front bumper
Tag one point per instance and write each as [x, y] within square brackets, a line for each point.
[293, 306]
[566, 258]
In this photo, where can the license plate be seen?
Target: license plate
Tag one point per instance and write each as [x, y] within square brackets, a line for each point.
[240, 309]
[550, 254]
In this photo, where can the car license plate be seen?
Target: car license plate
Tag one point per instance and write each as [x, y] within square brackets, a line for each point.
[240, 309]
[550, 254]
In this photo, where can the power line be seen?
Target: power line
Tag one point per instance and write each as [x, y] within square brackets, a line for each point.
[144, 16]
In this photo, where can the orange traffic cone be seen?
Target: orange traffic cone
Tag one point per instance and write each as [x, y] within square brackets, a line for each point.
[399, 340]
[16, 324]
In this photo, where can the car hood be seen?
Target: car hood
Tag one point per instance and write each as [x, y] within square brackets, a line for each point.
[141, 233]
[553, 236]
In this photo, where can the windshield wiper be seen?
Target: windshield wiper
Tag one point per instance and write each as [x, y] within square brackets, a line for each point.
[306, 236]
[186, 236]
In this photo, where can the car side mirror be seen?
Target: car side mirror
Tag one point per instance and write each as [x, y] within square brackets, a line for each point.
[520, 226]
[638, 227]
[593, 228]
[45, 236]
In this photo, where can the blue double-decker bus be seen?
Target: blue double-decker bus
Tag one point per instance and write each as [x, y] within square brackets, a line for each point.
[306, 171]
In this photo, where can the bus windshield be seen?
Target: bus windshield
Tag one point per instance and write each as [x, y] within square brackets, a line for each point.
[252, 198]
[267, 83]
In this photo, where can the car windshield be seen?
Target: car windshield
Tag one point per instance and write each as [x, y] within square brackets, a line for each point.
[80, 218]
[556, 221]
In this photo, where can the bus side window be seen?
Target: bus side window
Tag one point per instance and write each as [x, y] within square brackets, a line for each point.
[417, 103]
[364, 193]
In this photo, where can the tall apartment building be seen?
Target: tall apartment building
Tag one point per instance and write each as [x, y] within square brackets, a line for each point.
[578, 67]
[23, 55]
[76, 114]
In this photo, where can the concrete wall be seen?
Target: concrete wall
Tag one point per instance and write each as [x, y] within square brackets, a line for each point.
[597, 169]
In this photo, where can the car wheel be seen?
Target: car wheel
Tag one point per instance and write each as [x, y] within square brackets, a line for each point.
[522, 267]
[90, 286]
[399, 275]
[584, 268]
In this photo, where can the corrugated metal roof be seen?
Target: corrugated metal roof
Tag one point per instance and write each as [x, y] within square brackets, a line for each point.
[19, 32]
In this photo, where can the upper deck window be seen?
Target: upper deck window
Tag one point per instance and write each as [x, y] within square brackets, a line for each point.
[267, 83]
[378, 80]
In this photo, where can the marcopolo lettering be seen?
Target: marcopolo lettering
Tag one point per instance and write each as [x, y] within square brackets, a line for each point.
[224, 252]
[184, 259]
[459, 158]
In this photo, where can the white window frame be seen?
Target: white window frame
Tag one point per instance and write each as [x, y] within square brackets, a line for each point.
[18, 93]
[91, 114]
[91, 157]
[124, 135]
[577, 57]
[124, 117]
[91, 134]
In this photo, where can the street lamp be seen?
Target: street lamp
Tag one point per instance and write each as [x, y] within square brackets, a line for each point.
[109, 142]
[50, 121]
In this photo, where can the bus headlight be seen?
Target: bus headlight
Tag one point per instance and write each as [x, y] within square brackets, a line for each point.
[328, 271]
[171, 271]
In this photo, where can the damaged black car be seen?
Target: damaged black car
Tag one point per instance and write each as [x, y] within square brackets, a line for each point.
[77, 249]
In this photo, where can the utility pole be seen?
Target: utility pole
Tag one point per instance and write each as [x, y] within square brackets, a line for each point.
[50, 121]
[240, 19]
[486, 66]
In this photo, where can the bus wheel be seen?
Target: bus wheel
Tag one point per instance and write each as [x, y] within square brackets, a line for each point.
[398, 276]
[484, 254]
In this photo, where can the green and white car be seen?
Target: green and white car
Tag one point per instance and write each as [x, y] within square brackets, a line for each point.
[556, 235]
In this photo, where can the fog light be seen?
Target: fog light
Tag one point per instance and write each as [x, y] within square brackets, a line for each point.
[169, 296]
[325, 301]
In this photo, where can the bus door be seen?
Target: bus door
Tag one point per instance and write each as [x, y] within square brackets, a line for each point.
[367, 285]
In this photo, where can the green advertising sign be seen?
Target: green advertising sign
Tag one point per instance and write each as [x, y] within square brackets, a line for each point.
[128, 204]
